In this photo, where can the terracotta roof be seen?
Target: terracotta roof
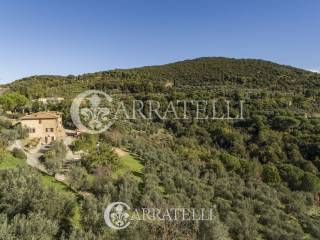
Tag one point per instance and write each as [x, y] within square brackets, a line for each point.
[42, 115]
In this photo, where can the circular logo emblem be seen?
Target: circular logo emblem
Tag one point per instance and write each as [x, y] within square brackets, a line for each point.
[89, 111]
[116, 215]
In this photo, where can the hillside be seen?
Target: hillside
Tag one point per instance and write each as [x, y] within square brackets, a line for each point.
[261, 175]
[203, 72]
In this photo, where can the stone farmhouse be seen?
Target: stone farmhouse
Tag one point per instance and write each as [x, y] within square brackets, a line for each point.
[45, 126]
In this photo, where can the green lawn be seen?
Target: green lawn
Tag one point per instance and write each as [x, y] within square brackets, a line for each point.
[51, 182]
[7, 161]
[130, 164]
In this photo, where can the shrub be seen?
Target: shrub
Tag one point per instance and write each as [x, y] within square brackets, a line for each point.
[310, 167]
[292, 175]
[310, 183]
[8, 135]
[5, 123]
[250, 169]
[217, 167]
[231, 163]
[79, 179]
[285, 123]
[102, 156]
[19, 153]
[270, 173]
[54, 157]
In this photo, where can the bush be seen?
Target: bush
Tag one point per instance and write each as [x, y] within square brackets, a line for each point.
[231, 163]
[250, 169]
[217, 167]
[8, 135]
[54, 157]
[101, 156]
[310, 167]
[310, 183]
[285, 123]
[270, 173]
[5, 123]
[79, 179]
[292, 175]
[19, 153]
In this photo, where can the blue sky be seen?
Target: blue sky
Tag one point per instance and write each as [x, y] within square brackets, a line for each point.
[73, 37]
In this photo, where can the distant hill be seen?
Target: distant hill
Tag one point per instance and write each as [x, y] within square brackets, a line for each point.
[206, 71]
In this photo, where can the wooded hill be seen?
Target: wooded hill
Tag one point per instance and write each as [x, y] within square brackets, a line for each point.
[212, 72]
[261, 173]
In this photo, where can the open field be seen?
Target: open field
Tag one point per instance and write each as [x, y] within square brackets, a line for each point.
[128, 163]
